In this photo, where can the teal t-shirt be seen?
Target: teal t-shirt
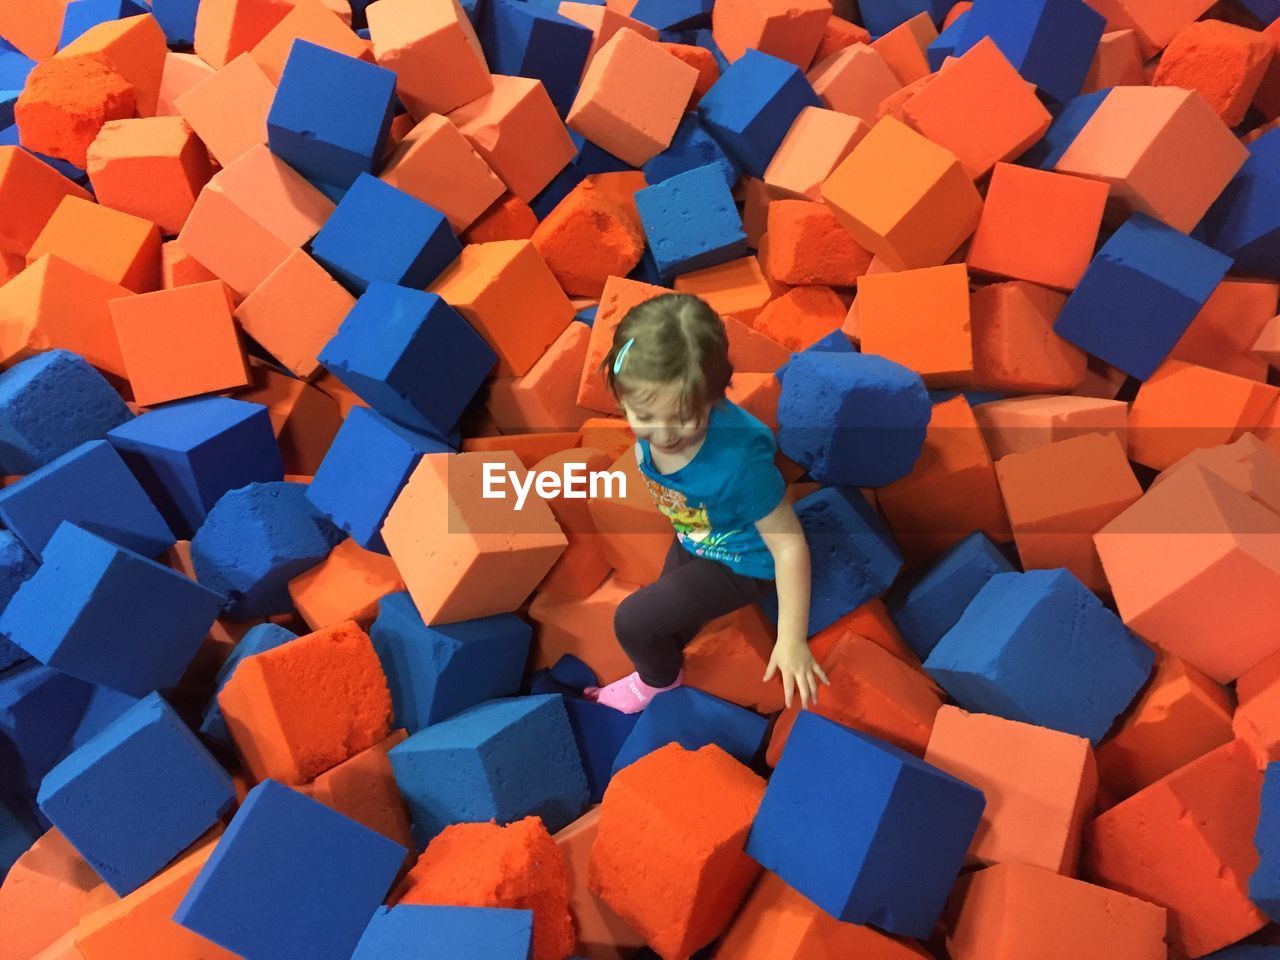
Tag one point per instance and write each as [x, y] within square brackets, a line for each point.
[715, 499]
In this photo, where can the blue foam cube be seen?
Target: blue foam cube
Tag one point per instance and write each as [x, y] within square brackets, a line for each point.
[1244, 222]
[534, 40]
[936, 601]
[410, 356]
[881, 16]
[693, 719]
[378, 232]
[103, 708]
[364, 470]
[1051, 43]
[15, 67]
[752, 106]
[330, 115]
[187, 455]
[587, 315]
[147, 767]
[673, 14]
[1068, 120]
[837, 341]
[507, 759]
[854, 557]
[264, 636]
[52, 403]
[1041, 648]
[854, 419]
[882, 836]
[16, 567]
[1246, 951]
[82, 15]
[177, 18]
[39, 710]
[691, 222]
[589, 159]
[18, 831]
[1266, 11]
[600, 732]
[691, 147]
[460, 933]
[945, 45]
[255, 540]
[1264, 882]
[290, 878]
[91, 487]
[1139, 294]
[108, 615]
[435, 672]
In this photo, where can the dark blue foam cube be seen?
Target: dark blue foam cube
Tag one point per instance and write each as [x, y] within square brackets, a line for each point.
[691, 147]
[52, 403]
[410, 356]
[18, 831]
[587, 315]
[108, 615]
[600, 732]
[1244, 222]
[91, 487]
[460, 933]
[103, 708]
[1039, 647]
[936, 601]
[146, 768]
[854, 557]
[691, 222]
[378, 232]
[752, 106]
[1264, 882]
[1266, 11]
[1051, 43]
[39, 710]
[673, 14]
[290, 878]
[82, 15]
[331, 113]
[881, 16]
[1139, 294]
[16, 567]
[177, 18]
[1068, 120]
[693, 719]
[364, 470]
[15, 67]
[589, 159]
[881, 834]
[533, 40]
[255, 540]
[435, 672]
[264, 636]
[852, 418]
[945, 45]
[187, 455]
[507, 759]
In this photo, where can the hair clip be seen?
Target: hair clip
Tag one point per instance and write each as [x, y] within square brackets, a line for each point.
[617, 363]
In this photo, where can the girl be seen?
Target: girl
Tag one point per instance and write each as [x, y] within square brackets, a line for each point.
[709, 466]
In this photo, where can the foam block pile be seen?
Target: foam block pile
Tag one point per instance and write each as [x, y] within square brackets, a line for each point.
[281, 283]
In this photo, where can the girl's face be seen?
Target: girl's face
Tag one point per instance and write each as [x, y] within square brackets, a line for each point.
[652, 411]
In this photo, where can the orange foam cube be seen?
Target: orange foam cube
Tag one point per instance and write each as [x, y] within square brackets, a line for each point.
[117, 246]
[303, 418]
[701, 59]
[1014, 345]
[631, 98]
[346, 585]
[600, 931]
[1224, 334]
[1186, 842]
[435, 163]
[1155, 23]
[545, 398]
[34, 28]
[229, 133]
[668, 855]
[814, 146]
[838, 35]
[152, 167]
[1116, 63]
[309, 20]
[44, 894]
[508, 293]
[167, 360]
[1014, 910]
[604, 22]
[529, 448]
[920, 318]
[790, 31]
[728, 657]
[227, 28]
[30, 192]
[808, 245]
[854, 81]
[497, 554]
[903, 197]
[737, 288]
[1019, 424]
[178, 268]
[588, 238]
[283, 723]
[433, 50]
[1137, 135]
[295, 311]
[582, 567]
[1225, 63]
[619, 296]
[516, 129]
[65, 101]
[279, 198]
[1257, 719]
[801, 316]
[1038, 226]
[581, 626]
[182, 71]
[510, 218]
[610, 434]
[634, 535]
[133, 47]
[903, 47]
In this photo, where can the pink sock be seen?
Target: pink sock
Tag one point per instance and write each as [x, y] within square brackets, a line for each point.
[630, 694]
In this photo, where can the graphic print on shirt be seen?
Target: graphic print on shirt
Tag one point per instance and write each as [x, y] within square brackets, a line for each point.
[691, 523]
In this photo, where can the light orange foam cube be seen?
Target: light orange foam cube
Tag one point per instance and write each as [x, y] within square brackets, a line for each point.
[1156, 22]
[485, 561]
[1117, 62]
[30, 192]
[1137, 135]
[903, 197]
[34, 28]
[507, 292]
[583, 626]
[600, 931]
[634, 535]
[903, 47]
[295, 311]
[152, 167]
[1054, 520]
[1038, 226]
[814, 146]
[632, 97]
[303, 418]
[1014, 346]
[134, 48]
[117, 246]
[546, 397]
[1224, 334]
[789, 30]
[229, 133]
[435, 163]
[178, 268]
[854, 81]
[582, 567]
[1019, 424]
[1040, 786]
[346, 585]
[314, 22]
[920, 319]
[227, 28]
[516, 129]
[182, 71]
[619, 296]
[604, 23]
[434, 52]
[737, 288]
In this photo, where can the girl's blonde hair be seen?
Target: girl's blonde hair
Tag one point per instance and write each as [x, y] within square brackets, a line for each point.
[679, 340]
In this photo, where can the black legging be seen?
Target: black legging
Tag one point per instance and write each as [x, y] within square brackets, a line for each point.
[654, 624]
